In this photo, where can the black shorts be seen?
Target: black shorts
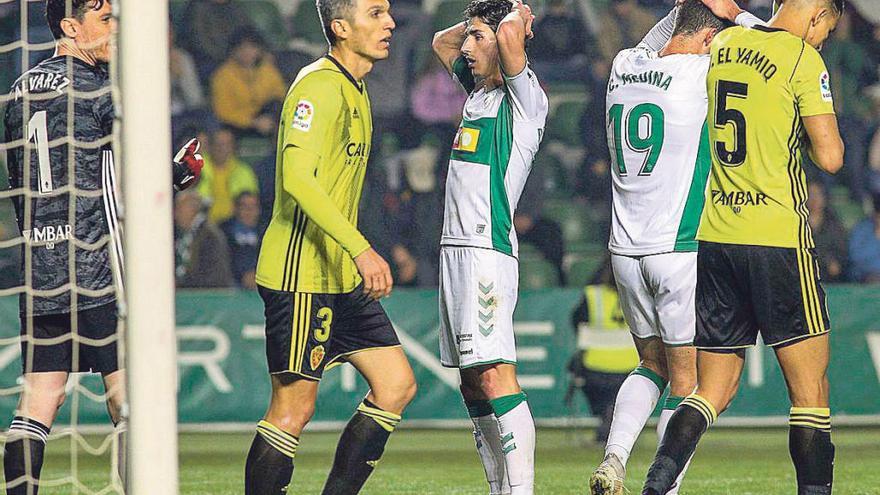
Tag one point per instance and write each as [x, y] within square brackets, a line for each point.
[306, 333]
[746, 290]
[48, 343]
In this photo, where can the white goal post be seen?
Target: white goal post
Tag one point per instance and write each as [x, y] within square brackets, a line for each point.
[151, 349]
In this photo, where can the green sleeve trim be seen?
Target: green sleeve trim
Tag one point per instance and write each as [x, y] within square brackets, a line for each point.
[672, 402]
[479, 408]
[504, 405]
[650, 375]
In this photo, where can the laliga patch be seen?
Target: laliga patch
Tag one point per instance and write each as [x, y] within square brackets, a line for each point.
[825, 87]
[303, 115]
[466, 140]
[316, 357]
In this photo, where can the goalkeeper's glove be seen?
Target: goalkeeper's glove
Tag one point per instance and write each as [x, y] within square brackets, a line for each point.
[187, 165]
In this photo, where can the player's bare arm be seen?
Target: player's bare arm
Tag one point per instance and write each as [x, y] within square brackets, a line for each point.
[447, 44]
[301, 184]
[826, 146]
[512, 34]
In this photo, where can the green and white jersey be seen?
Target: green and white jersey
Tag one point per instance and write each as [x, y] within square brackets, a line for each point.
[491, 158]
[658, 139]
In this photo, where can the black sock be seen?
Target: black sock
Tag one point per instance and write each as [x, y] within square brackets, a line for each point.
[360, 448]
[269, 464]
[809, 443]
[23, 457]
[688, 423]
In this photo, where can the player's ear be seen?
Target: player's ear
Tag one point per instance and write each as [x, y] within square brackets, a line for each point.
[70, 27]
[710, 35]
[341, 28]
[820, 16]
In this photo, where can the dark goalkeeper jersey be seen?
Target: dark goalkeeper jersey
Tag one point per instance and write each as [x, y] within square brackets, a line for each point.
[59, 122]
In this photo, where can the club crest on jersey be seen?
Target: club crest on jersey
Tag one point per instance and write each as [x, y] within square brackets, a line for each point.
[466, 140]
[825, 87]
[316, 357]
[303, 115]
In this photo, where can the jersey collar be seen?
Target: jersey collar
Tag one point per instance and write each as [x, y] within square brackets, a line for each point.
[768, 29]
[360, 87]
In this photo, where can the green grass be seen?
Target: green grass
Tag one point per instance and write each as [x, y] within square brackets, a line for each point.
[444, 462]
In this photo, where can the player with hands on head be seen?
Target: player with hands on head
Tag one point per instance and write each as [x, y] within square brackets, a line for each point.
[501, 129]
[658, 196]
[770, 96]
[319, 278]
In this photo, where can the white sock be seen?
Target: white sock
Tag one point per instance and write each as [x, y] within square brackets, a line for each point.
[517, 428]
[669, 408]
[635, 402]
[120, 446]
[488, 440]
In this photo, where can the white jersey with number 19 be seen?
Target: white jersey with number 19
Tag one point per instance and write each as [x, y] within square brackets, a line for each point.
[657, 136]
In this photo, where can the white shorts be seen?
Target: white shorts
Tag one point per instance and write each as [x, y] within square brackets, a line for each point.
[657, 295]
[478, 293]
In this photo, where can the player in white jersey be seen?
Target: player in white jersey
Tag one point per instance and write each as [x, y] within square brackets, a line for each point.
[658, 139]
[501, 129]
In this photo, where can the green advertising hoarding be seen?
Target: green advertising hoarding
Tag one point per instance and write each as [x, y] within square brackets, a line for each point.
[223, 376]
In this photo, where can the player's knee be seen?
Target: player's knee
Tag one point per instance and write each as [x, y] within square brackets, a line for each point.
[396, 396]
[658, 366]
[495, 382]
[809, 393]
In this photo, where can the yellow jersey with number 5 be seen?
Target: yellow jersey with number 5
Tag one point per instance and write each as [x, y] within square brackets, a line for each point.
[761, 83]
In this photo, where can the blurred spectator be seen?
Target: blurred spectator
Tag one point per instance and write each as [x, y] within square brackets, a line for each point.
[390, 85]
[208, 27]
[224, 176]
[247, 90]
[606, 354]
[437, 100]
[828, 234]
[532, 228]
[200, 252]
[864, 248]
[624, 25]
[186, 90]
[851, 69]
[562, 45]
[873, 165]
[243, 237]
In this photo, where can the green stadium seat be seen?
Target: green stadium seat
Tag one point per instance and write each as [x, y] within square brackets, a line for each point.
[576, 221]
[536, 273]
[848, 211]
[448, 12]
[307, 24]
[567, 105]
[266, 17]
[581, 268]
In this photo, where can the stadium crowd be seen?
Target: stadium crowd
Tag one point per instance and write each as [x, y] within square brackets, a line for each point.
[231, 63]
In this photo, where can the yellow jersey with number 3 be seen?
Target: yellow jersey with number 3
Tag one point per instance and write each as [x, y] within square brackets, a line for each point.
[327, 113]
[761, 83]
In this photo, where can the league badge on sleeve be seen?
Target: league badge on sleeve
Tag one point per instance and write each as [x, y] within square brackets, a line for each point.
[825, 86]
[303, 115]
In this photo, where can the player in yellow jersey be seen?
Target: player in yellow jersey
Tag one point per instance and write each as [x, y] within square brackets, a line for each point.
[319, 278]
[769, 97]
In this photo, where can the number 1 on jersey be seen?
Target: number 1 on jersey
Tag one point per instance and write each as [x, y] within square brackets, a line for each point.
[38, 133]
[628, 131]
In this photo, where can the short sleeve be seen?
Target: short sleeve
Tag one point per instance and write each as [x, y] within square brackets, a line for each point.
[812, 85]
[529, 99]
[311, 112]
[462, 74]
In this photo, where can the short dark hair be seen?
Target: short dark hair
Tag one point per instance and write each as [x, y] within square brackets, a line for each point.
[839, 6]
[329, 11]
[246, 34]
[57, 10]
[693, 17]
[492, 12]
